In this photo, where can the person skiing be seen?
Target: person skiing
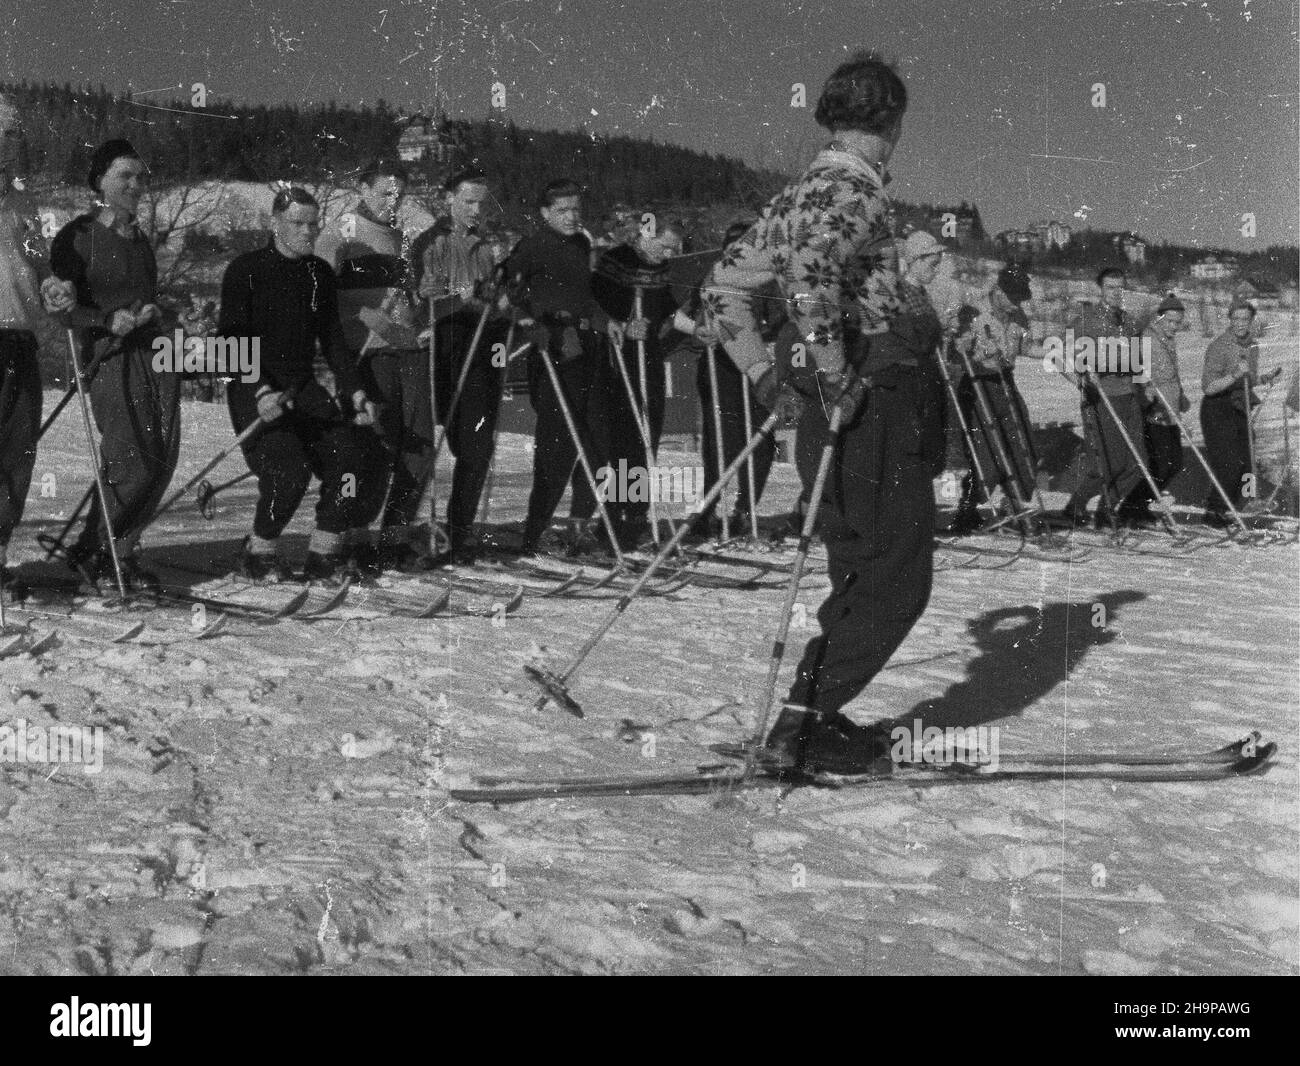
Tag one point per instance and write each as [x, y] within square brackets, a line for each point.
[1113, 470]
[1163, 438]
[111, 267]
[364, 247]
[1228, 380]
[283, 298]
[455, 267]
[549, 275]
[825, 240]
[992, 343]
[20, 308]
[621, 272]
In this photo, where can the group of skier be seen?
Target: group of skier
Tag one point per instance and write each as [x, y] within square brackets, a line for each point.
[819, 311]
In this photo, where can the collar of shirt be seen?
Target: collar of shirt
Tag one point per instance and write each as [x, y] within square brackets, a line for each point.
[876, 171]
[363, 209]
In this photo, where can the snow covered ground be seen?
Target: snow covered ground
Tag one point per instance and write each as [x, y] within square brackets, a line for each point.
[274, 800]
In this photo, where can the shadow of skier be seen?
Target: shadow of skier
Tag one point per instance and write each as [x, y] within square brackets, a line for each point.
[1025, 652]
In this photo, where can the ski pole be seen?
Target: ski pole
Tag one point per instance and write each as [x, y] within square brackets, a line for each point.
[1287, 472]
[1020, 420]
[461, 379]
[208, 492]
[71, 391]
[993, 436]
[1250, 435]
[53, 545]
[560, 398]
[88, 419]
[750, 478]
[248, 433]
[1187, 436]
[966, 433]
[643, 427]
[485, 504]
[1165, 516]
[852, 395]
[643, 413]
[720, 455]
[555, 684]
[433, 424]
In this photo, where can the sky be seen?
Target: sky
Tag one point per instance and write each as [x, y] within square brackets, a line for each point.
[1199, 126]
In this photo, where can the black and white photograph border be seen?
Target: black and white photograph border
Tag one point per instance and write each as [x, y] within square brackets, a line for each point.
[602, 487]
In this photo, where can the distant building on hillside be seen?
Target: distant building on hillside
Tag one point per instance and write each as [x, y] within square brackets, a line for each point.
[1017, 241]
[1133, 247]
[1038, 236]
[1050, 233]
[1214, 268]
[425, 140]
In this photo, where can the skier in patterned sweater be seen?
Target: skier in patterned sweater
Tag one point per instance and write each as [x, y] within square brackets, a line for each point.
[825, 240]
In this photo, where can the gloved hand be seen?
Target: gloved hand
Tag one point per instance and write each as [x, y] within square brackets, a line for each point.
[1184, 404]
[535, 333]
[845, 391]
[367, 411]
[638, 329]
[58, 295]
[121, 322]
[570, 345]
[271, 405]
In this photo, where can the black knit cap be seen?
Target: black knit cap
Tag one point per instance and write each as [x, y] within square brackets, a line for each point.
[103, 158]
[1014, 282]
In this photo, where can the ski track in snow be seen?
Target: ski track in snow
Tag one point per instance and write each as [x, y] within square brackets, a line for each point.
[273, 800]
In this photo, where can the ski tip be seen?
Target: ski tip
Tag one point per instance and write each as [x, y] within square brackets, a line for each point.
[292, 607]
[1259, 762]
[214, 629]
[129, 634]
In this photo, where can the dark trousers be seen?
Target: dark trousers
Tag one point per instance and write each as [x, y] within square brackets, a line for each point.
[1009, 429]
[471, 432]
[554, 452]
[20, 421]
[731, 400]
[1112, 470]
[1227, 446]
[1164, 446]
[312, 437]
[613, 424]
[400, 382]
[877, 521]
[137, 412]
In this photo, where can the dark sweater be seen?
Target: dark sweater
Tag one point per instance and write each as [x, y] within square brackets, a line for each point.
[110, 272]
[291, 305]
[550, 278]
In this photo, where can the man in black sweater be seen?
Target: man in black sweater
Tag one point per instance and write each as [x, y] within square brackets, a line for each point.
[549, 275]
[284, 300]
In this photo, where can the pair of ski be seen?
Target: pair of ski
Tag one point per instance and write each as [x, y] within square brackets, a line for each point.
[411, 597]
[1049, 548]
[1249, 755]
[74, 595]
